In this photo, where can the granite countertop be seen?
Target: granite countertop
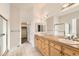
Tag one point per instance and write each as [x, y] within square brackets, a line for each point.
[60, 39]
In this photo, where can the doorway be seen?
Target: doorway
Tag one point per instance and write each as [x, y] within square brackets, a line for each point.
[23, 33]
[3, 35]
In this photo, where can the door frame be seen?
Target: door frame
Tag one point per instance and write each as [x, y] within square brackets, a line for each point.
[28, 32]
[21, 33]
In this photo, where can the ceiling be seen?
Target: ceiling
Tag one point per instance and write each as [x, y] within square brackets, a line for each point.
[29, 10]
[52, 8]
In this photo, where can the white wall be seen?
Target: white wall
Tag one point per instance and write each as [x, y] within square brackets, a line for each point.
[11, 13]
[36, 19]
[26, 16]
[51, 21]
[15, 26]
[5, 12]
[29, 15]
[50, 25]
[33, 29]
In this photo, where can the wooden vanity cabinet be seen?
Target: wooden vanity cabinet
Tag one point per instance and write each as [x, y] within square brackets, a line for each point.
[42, 45]
[55, 49]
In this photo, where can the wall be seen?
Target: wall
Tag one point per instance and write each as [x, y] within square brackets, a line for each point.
[50, 25]
[33, 29]
[36, 19]
[11, 13]
[15, 26]
[26, 16]
[5, 12]
[51, 21]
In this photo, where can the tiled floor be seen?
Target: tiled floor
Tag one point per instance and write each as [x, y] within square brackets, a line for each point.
[24, 50]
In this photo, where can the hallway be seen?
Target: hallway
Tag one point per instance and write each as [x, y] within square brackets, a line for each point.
[24, 50]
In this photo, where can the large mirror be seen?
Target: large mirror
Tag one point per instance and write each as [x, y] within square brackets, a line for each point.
[62, 29]
[73, 20]
[66, 27]
[40, 27]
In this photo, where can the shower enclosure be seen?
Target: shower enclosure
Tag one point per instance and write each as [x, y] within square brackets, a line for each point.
[3, 35]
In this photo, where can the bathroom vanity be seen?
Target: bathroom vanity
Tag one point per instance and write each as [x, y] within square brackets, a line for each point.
[51, 45]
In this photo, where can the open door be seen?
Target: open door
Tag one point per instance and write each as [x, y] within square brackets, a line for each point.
[3, 35]
[23, 34]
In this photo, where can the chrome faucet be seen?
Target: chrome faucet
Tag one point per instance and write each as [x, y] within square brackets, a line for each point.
[71, 37]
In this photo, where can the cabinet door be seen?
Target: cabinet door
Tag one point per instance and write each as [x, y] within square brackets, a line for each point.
[55, 49]
[68, 51]
[76, 53]
[46, 47]
[36, 42]
[46, 50]
[54, 52]
[42, 46]
[39, 44]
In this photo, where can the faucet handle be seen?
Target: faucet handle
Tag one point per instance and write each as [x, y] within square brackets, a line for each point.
[72, 36]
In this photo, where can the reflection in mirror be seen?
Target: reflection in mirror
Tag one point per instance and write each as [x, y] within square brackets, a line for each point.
[68, 28]
[40, 27]
[62, 29]
[59, 29]
[75, 27]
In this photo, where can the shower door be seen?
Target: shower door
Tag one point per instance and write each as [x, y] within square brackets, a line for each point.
[3, 35]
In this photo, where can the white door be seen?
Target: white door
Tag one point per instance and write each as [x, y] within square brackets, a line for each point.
[3, 34]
